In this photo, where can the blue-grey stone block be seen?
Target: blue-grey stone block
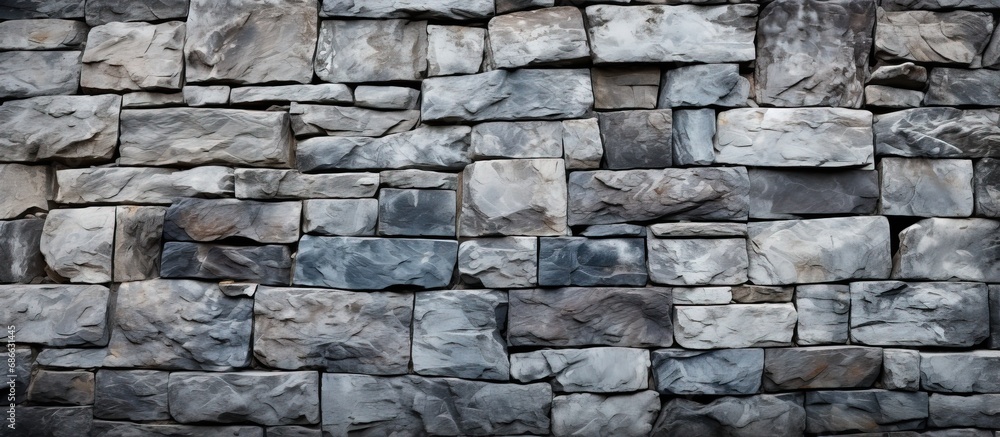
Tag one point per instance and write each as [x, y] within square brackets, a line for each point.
[374, 263]
[588, 262]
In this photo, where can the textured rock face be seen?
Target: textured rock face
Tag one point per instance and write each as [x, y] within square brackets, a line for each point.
[591, 262]
[269, 264]
[126, 429]
[83, 128]
[369, 50]
[601, 370]
[508, 262]
[418, 213]
[886, 97]
[457, 333]
[141, 184]
[582, 148]
[926, 187]
[24, 9]
[972, 411]
[636, 139]
[821, 250]
[418, 179]
[21, 257]
[734, 326]
[267, 398]
[948, 249]
[20, 77]
[21, 375]
[134, 56]
[374, 263]
[513, 197]
[503, 95]
[63, 388]
[733, 416]
[952, 86]
[704, 85]
[780, 137]
[290, 184]
[43, 34]
[321, 93]
[776, 194]
[625, 88]
[723, 372]
[697, 261]
[692, 131]
[824, 313]
[299, 328]
[454, 50]
[131, 395]
[54, 421]
[56, 315]
[337, 121]
[444, 9]
[349, 217]
[386, 97]
[900, 369]
[544, 36]
[530, 139]
[78, 243]
[821, 367]
[432, 148]
[250, 41]
[27, 189]
[106, 11]
[698, 230]
[138, 235]
[960, 372]
[865, 411]
[590, 414]
[589, 316]
[986, 183]
[893, 313]
[938, 133]
[683, 33]
[994, 340]
[218, 219]
[923, 36]
[812, 53]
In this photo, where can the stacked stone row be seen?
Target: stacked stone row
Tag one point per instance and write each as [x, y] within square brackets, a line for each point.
[468, 217]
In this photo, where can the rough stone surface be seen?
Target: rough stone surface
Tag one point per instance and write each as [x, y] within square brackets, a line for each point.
[369, 50]
[457, 333]
[734, 326]
[79, 128]
[733, 416]
[900, 369]
[443, 9]
[530, 139]
[824, 313]
[418, 179]
[539, 37]
[42, 34]
[374, 263]
[704, 85]
[636, 139]
[348, 217]
[599, 370]
[147, 185]
[266, 398]
[698, 230]
[513, 197]
[290, 184]
[78, 243]
[131, 395]
[386, 97]
[960, 372]
[63, 388]
[722, 372]
[106, 11]
[319, 93]
[301, 328]
[126, 429]
[31, 74]
[27, 189]
[508, 262]
[994, 340]
[23, 363]
[886, 97]
[630, 317]
[454, 50]
[820, 250]
[697, 261]
[197, 96]
[974, 411]
[949, 249]
[345, 121]
[617, 230]
[219, 219]
[953, 86]
[926, 187]
[821, 367]
[134, 56]
[591, 414]
[270, 264]
[582, 261]
[777, 194]
[503, 95]
[582, 146]
[138, 236]
[149, 99]
[893, 313]
[702, 295]
[986, 183]
[25, 9]
[430, 148]
[906, 75]
[865, 411]
[625, 87]
[56, 315]
[938, 133]
[762, 294]
[54, 421]
[692, 133]
[923, 36]
[892, 5]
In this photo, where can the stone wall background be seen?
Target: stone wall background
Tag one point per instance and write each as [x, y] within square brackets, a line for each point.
[460, 217]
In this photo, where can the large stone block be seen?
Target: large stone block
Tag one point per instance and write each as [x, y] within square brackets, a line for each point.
[346, 121]
[27, 189]
[528, 139]
[163, 186]
[956, 86]
[978, 411]
[250, 41]
[56, 315]
[270, 264]
[893, 313]
[926, 187]
[776, 194]
[106, 11]
[371, 50]
[718, 261]
[131, 395]
[43, 34]
[820, 250]
[253, 183]
[513, 197]
[78, 243]
[454, 50]
[629, 317]
[67, 128]
[865, 411]
[960, 372]
[538, 37]
[431, 148]
[134, 56]
[636, 139]
[508, 95]
[734, 326]
[799, 137]
[686, 33]
[348, 217]
[941, 37]
[583, 261]
[418, 213]
[824, 313]
[722, 372]
[749, 416]
[939, 133]
[631, 87]
[443, 9]
[219, 219]
[821, 367]
[374, 263]
[598, 370]
[205, 136]
[591, 414]
[138, 236]
[332, 330]
[266, 398]
[32, 74]
[508, 262]
[458, 333]
[942, 249]
[704, 85]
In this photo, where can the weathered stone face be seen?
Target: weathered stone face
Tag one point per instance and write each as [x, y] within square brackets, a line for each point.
[737, 416]
[32, 74]
[865, 411]
[290, 184]
[369, 50]
[457, 333]
[926, 187]
[960, 372]
[923, 36]
[821, 367]
[417, 213]
[219, 219]
[636, 139]
[734, 326]
[953, 86]
[938, 133]
[625, 87]
[386, 97]
[503, 95]
[948, 249]
[508, 262]
[601, 370]
[969, 411]
[134, 56]
[513, 197]
[83, 128]
[722, 372]
[704, 85]
[824, 313]
[623, 415]
[444, 9]
[529, 139]
[776, 194]
[454, 50]
[24, 9]
[42, 34]
[267, 398]
[138, 236]
[544, 36]
[431, 148]
[28, 188]
[106, 11]
[348, 217]
[581, 261]
[345, 121]
[78, 243]
[56, 315]
[374, 263]
[123, 429]
[55, 421]
[582, 147]
[141, 184]
[131, 395]
[270, 264]
[697, 261]
[900, 369]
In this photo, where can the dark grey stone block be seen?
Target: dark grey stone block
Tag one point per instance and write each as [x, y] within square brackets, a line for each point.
[374, 263]
[636, 139]
[778, 194]
[271, 265]
[587, 262]
[416, 213]
[720, 372]
[131, 395]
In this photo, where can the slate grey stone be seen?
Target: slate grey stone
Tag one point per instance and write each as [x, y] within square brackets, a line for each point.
[131, 395]
[290, 184]
[636, 139]
[975, 410]
[56, 315]
[319, 93]
[218, 219]
[458, 333]
[53, 421]
[819, 250]
[617, 230]
[794, 137]
[374, 263]
[332, 330]
[504, 6]
[629, 317]
[784, 194]
[106, 11]
[134, 56]
[414, 405]
[584, 261]
[698, 229]
[442, 9]
[702, 295]
[528, 139]
[149, 185]
[824, 313]
[906, 75]
[138, 236]
[926, 187]
[894, 5]
[418, 179]
[238, 289]
[692, 132]
[349, 217]
[938, 133]
[19, 373]
[31, 74]
[625, 87]
[346, 121]
[371, 50]
[508, 95]
[27, 189]
[947, 250]
[270, 264]
[721, 372]
[956, 86]
[606, 197]
[42, 34]
[250, 41]
[685, 33]
[78, 243]
[538, 37]
[200, 136]
[704, 85]
[893, 313]
[734, 325]
[62, 388]
[590, 414]
[697, 261]
[513, 197]
[69, 128]
[986, 183]
[179, 324]
[508, 262]
[386, 97]
[197, 96]
[454, 50]
[430, 148]
[821, 367]
[887, 97]
[994, 340]
[595, 370]
[72, 358]
[865, 411]
[960, 372]
[941, 37]
[762, 294]
[813, 53]
[24, 9]
[293, 431]
[266, 398]
[149, 99]
[733, 416]
[128, 429]
[582, 146]
[900, 369]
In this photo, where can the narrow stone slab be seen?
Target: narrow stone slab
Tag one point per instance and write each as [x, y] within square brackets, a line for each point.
[148, 99]
[148, 185]
[900, 369]
[821, 367]
[457, 333]
[42, 34]
[956, 86]
[734, 326]
[700, 230]
[704, 85]
[78, 243]
[893, 313]
[271, 264]
[636, 139]
[106, 11]
[940, 37]
[205, 136]
[820, 250]
[219, 219]
[782, 137]
[938, 133]
[198, 96]
[697, 261]
[623, 415]
[527, 139]
[606, 197]
[138, 237]
[945, 249]
[960, 372]
[266, 398]
[418, 179]
[349, 217]
[538, 37]
[508, 262]
[454, 50]
[895, 5]
[926, 187]
[702, 295]
[319, 93]
[346, 121]
[738, 416]
[906, 75]
[513, 197]
[629, 317]
[762, 294]
[28, 188]
[625, 87]
[777, 194]
[371, 50]
[78, 128]
[20, 373]
[994, 340]
[865, 411]
[417, 213]
[722, 372]
[171, 324]
[444, 9]
[582, 148]
[301, 328]
[131, 395]
[134, 56]
[62, 388]
[56, 315]
[599, 369]
[986, 183]
[429, 148]
[25, 9]
[32, 74]
[374, 263]
[290, 184]
[973, 411]
[685, 33]
[583, 261]
[508, 95]
[616, 230]
[387, 97]
[824, 313]
[21, 258]
[886, 97]
[125, 429]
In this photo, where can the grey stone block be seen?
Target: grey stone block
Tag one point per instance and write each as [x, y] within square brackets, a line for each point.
[948, 249]
[270, 264]
[371, 50]
[697, 230]
[588, 262]
[582, 146]
[636, 139]
[702, 295]
[893, 313]
[776, 194]
[539, 37]
[429, 148]
[148, 185]
[704, 85]
[938, 133]
[319, 93]
[458, 333]
[347, 121]
[986, 183]
[762, 294]
[692, 134]
[955, 86]
[21, 259]
[975, 411]
[527, 139]
[62, 388]
[290, 184]
[926, 187]
[78, 243]
[348, 217]
[128, 429]
[824, 313]
[625, 87]
[887, 97]
[387, 97]
[960, 372]
[67, 128]
[214, 95]
[717, 261]
[821, 367]
[374, 263]
[454, 50]
[131, 395]
[921, 36]
[591, 414]
[906, 75]
[42, 34]
[865, 411]
[219, 219]
[445, 9]
[418, 213]
[32, 74]
[900, 369]
[56, 315]
[513, 197]
[418, 179]
[509, 262]
[596, 370]
[266, 398]
[508, 95]
[134, 56]
[138, 236]
[722, 372]
[733, 416]
[106, 11]
[734, 325]
[54, 421]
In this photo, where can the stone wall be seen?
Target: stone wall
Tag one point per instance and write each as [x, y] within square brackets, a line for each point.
[500, 217]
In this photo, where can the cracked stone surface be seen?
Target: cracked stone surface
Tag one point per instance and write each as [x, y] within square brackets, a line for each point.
[636, 139]
[592, 414]
[625, 87]
[454, 50]
[938, 133]
[970, 411]
[704, 85]
[986, 183]
[386, 97]
[374, 263]
[948, 249]
[319, 93]
[692, 136]
[598, 370]
[106, 11]
[417, 213]
[443, 9]
[582, 145]
[900, 369]
[734, 325]
[134, 56]
[721, 372]
[960, 372]
[925, 36]
[953, 86]
[734, 416]
[528, 139]
[27, 189]
[56, 315]
[457, 333]
[266, 398]
[83, 128]
[538, 37]
[824, 313]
